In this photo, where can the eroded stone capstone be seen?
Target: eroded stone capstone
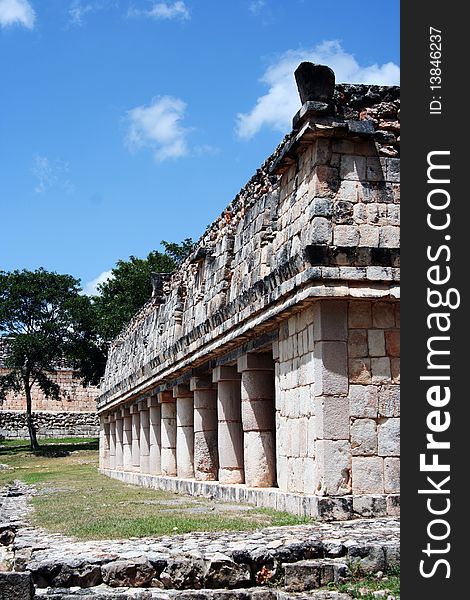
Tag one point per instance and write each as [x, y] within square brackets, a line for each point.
[314, 82]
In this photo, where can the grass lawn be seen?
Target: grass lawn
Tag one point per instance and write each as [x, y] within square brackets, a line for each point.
[74, 499]
[364, 586]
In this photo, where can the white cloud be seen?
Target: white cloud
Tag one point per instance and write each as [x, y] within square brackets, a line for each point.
[256, 6]
[91, 287]
[277, 107]
[163, 11]
[51, 173]
[17, 12]
[79, 9]
[158, 126]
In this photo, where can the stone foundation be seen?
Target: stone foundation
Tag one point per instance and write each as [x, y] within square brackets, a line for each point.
[49, 424]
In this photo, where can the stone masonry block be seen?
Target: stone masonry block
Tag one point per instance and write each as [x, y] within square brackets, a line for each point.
[389, 401]
[393, 169]
[332, 418]
[332, 467]
[330, 318]
[367, 475]
[351, 191]
[257, 385]
[258, 415]
[392, 342]
[360, 315]
[255, 362]
[392, 475]
[363, 401]
[363, 437]
[320, 231]
[374, 170]
[376, 341]
[368, 236]
[389, 437]
[321, 207]
[353, 167]
[359, 371]
[331, 372]
[389, 237]
[380, 369]
[345, 235]
[224, 373]
[357, 343]
[383, 315]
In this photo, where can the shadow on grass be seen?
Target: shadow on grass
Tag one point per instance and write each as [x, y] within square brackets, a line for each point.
[49, 448]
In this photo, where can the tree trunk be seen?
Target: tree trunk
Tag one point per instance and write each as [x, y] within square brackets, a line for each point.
[29, 416]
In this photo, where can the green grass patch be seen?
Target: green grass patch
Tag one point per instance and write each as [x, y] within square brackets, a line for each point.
[364, 586]
[76, 500]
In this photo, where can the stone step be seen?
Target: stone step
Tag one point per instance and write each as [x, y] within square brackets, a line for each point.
[312, 574]
[107, 593]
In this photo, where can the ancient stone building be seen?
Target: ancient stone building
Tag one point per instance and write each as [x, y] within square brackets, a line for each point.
[73, 415]
[266, 369]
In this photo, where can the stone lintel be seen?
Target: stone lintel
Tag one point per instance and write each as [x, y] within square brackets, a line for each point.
[182, 391]
[200, 383]
[166, 396]
[152, 401]
[224, 373]
[255, 362]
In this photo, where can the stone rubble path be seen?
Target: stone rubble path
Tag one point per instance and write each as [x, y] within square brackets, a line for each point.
[196, 565]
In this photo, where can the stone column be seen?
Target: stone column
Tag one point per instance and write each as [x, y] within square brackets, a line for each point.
[332, 474]
[230, 432]
[258, 418]
[144, 437]
[135, 437]
[119, 447]
[112, 441]
[155, 461]
[168, 455]
[126, 439]
[206, 462]
[102, 442]
[184, 431]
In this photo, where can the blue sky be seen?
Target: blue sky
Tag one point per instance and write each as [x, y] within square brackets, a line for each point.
[125, 122]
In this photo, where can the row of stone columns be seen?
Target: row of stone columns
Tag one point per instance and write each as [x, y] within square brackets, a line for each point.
[216, 428]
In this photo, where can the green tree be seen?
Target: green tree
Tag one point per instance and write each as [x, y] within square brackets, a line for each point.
[129, 287]
[45, 322]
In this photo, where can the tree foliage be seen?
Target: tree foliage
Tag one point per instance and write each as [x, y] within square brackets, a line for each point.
[129, 286]
[45, 323]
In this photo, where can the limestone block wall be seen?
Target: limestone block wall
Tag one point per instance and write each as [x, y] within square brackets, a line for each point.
[74, 396]
[295, 409]
[52, 424]
[338, 399]
[374, 396]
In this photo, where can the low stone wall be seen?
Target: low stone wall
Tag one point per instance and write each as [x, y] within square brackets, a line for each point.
[336, 508]
[49, 424]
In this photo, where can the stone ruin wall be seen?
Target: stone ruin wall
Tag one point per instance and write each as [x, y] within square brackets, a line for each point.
[305, 260]
[73, 414]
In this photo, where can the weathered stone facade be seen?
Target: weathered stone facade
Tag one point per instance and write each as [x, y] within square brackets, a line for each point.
[266, 368]
[73, 414]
